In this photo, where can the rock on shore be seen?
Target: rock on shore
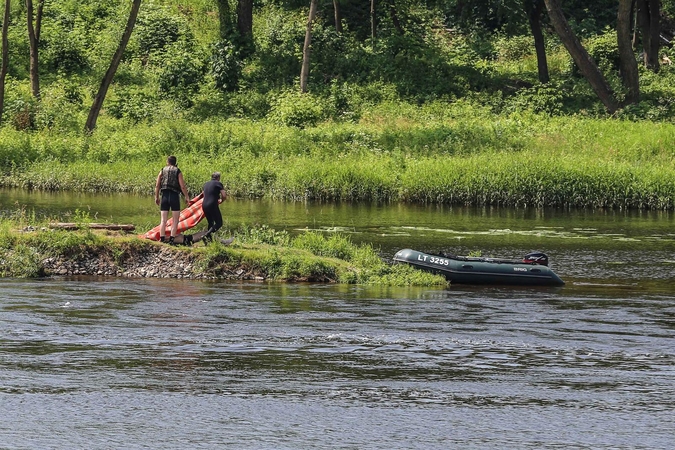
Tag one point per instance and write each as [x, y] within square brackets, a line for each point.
[152, 262]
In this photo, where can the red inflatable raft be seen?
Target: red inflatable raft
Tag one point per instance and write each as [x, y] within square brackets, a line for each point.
[189, 217]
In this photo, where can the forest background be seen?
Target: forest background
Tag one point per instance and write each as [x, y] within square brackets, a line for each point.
[492, 102]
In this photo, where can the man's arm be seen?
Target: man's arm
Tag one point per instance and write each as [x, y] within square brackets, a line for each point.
[158, 183]
[183, 188]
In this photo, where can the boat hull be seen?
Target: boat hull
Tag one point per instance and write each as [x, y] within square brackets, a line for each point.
[467, 270]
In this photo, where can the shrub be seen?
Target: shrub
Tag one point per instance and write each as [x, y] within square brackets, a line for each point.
[181, 74]
[156, 28]
[133, 104]
[226, 66]
[604, 50]
[278, 43]
[541, 98]
[252, 104]
[295, 109]
[65, 51]
[514, 48]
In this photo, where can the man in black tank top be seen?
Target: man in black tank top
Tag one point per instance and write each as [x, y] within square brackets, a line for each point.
[213, 193]
[170, 184]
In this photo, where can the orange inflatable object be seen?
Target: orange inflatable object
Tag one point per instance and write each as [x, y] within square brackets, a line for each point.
[189, 217]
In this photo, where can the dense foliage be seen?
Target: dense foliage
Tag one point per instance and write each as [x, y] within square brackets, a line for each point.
[177, 63]
[439, 85]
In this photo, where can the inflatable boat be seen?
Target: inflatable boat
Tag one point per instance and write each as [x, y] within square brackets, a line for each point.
[189, 217]
[532, 270]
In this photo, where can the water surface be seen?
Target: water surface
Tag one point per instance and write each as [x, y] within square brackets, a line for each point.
[93, 363]
[167, 364]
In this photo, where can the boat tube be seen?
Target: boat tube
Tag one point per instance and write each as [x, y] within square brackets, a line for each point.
[532, 270]
[189, 217]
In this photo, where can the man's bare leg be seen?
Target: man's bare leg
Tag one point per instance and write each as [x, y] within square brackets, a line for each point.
[164, 215]
[174, 225]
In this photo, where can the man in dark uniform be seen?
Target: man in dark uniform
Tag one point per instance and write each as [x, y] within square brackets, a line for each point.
[170, 184]
[213, 193]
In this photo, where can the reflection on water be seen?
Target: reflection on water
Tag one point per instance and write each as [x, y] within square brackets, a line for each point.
[100, 363]
[390, 226]
[103, 363]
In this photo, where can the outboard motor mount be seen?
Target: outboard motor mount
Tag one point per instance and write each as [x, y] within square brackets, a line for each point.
[536, 258]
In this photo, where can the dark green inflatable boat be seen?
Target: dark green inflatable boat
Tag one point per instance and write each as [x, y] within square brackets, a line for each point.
[532, 270]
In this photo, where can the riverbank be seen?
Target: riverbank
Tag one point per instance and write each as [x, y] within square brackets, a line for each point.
[443, 153]
[257, 254]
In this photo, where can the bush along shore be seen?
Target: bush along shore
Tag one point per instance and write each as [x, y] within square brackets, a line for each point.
[257, 254]
[453, 154]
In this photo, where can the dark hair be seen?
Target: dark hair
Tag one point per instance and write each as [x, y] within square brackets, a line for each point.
[171, 160]
[215, 176]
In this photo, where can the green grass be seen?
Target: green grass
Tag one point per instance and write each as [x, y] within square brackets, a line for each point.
[260, 252]
[459, 155]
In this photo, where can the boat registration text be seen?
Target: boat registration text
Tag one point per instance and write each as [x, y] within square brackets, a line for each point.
[433, 260]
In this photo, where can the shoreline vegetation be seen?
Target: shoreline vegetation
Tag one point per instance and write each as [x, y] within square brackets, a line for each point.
[431, 103]
[261, 254]
[436, 153]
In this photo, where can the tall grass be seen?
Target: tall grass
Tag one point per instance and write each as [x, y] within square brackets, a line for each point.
[442, 153]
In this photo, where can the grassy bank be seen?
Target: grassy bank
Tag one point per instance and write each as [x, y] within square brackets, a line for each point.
[260, 253]
[445, 106]
[440, 153]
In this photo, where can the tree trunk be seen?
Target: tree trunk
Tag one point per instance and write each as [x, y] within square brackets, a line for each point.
[373, 20]
[245, 24]
[648, 12]
[5, 57]
[634, 21]
[580, 56]
[627, 62]
[306, 48]
[338, 16]
[394, 18]
[534, 10]
[110, 73]
[643, 24]
[655, 31]
[34, 42]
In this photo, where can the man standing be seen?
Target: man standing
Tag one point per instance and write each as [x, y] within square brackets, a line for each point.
[213, 193]
[170, 184]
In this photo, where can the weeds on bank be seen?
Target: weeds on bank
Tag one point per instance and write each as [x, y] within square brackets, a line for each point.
[310, 256]
[457, 153]
[257, 251]
[21, 261]
[262, 234]
[17, 259]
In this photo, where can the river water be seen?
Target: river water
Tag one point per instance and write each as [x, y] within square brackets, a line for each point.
[175, 364]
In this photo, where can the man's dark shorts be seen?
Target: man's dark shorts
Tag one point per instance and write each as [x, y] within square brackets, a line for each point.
[170, 201]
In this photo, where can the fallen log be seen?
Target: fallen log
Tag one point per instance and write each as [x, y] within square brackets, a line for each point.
[93, 226]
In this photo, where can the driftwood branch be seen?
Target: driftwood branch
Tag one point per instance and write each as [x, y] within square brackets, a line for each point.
[94, 226]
